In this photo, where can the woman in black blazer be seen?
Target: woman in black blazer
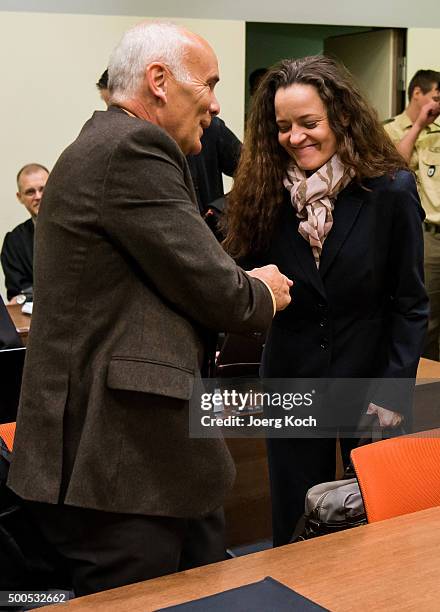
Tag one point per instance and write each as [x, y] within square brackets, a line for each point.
[322, 193]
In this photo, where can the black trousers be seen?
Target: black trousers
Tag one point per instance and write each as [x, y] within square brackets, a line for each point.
[295, 465]
[104, 550]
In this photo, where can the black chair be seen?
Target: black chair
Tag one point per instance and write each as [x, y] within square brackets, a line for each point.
[240, 356]
[11, 367]
[27, 560]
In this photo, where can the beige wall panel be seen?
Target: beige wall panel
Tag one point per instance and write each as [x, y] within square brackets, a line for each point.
[423, 50]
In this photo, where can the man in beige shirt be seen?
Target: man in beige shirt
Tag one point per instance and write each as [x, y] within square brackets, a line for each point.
[416, 133]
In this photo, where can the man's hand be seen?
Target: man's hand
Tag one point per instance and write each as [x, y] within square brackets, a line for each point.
[428, 113]
[277, 282]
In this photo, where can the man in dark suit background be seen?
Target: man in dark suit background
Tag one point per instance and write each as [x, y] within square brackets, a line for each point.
[17, 253]
[102, 450]
[220, 155]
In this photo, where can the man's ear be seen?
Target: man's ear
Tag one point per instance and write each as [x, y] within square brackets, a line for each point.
[19, 197]
[157, 76]
[416, 92]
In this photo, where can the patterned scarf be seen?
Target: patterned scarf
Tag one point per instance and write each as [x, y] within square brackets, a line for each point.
[313, 198]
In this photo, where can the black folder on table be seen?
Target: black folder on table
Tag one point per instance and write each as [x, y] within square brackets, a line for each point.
[267, 595]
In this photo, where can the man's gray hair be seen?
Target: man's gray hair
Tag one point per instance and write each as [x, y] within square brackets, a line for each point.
[143, 44]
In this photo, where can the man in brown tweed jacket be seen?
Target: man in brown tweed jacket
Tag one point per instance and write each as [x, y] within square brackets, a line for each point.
[129, 282]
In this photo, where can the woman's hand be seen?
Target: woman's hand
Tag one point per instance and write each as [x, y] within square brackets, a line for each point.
[387, 418]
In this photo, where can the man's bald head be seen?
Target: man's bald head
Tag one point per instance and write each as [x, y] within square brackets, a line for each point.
[30, 169]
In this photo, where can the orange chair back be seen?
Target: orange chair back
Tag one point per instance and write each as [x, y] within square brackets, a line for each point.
[400, 475]
[7, 432]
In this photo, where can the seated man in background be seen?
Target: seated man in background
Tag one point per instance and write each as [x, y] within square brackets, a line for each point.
[103, 453]
[17, 255]
[219, 155]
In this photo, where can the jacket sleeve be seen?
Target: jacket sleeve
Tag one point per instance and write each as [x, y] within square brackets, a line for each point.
[409, 301]
[149, 213]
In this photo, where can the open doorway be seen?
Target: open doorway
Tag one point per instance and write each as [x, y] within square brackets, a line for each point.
[376, 59]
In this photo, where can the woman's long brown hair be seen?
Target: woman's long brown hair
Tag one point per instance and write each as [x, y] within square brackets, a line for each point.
[258, 191]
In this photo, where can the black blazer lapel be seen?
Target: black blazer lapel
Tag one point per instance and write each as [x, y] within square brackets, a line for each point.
[303, 250]
[347, 208]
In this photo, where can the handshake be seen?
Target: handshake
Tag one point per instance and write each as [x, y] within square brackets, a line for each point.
[277, 282]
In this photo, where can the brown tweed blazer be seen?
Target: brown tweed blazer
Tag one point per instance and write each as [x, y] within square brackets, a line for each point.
[128, 279]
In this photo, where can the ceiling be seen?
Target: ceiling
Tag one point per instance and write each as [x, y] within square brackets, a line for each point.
[391, 13]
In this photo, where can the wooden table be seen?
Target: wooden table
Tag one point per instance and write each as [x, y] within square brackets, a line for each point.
[389, 566]
[21, 321]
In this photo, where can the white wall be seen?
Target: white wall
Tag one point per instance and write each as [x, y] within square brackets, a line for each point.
[423, 50]
[50, 63]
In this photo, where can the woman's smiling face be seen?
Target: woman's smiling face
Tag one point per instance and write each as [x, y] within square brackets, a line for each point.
[303, 128]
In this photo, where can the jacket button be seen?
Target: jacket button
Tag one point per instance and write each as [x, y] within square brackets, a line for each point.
[324, 344]
[323, 323]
